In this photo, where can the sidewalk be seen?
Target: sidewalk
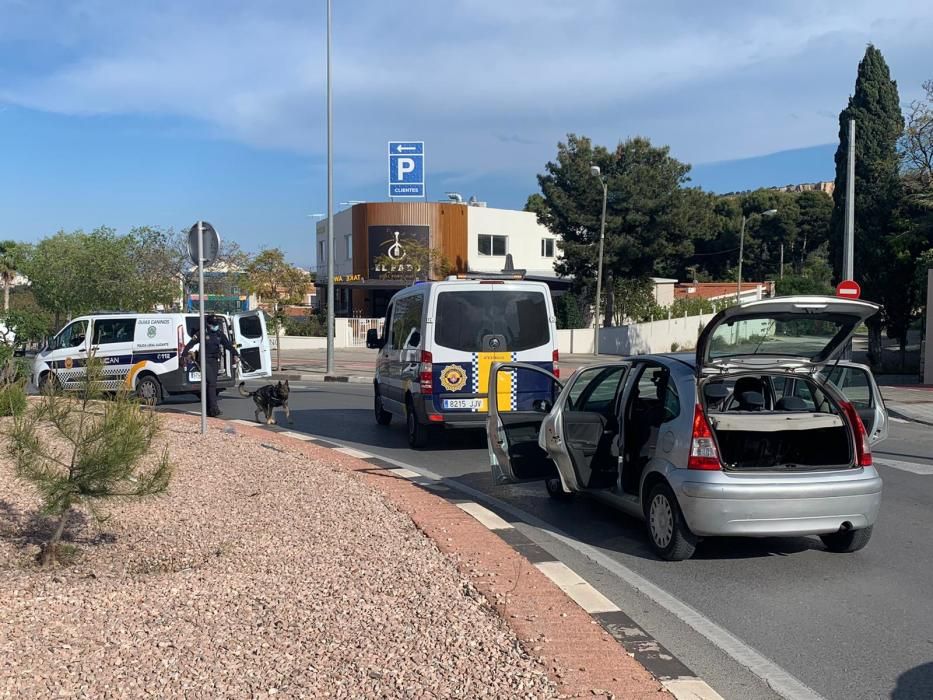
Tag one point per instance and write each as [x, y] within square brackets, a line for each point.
[914, 403]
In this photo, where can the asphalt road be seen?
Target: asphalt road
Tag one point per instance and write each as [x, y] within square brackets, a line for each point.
[847, 626]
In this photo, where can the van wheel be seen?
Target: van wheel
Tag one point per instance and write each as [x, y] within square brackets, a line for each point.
[846, 541]
[383, 417]
[417, 431]
[556, 491]
[670, 537]
[49, 384]
[149, 390]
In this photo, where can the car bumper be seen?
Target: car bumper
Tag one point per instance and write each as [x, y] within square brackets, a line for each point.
[764, 506]
[427, 413]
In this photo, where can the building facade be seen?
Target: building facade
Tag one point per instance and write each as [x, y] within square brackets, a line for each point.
[469, 237]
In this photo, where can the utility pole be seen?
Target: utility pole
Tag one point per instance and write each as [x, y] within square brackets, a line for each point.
[330, 203]
[738, 281]
[782, 261]
[594, 170]
[848, 263]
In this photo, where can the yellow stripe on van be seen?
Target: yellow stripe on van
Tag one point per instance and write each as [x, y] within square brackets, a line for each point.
[131, 375]
[481, 366]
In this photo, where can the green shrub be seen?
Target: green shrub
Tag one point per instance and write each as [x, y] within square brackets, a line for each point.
[12, 399]
[310, 326]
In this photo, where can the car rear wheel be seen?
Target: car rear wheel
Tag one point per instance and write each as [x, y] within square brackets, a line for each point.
[149, 391]
[556, 490]
[670, 537]
[383, 417]
[846, 541]
[417, 431]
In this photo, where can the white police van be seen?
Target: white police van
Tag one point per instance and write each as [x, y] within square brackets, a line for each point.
[142, 353]
[440, 340]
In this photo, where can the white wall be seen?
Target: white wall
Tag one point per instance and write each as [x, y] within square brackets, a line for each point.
[657, 336]
[343, 227]
[524, 240]
[928, 344]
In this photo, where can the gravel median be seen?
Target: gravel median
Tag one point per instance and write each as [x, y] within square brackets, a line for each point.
[260, 572]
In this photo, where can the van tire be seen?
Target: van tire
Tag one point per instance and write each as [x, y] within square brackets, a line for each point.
[668, 533]
[556, 490]
[149, 390]
[418, 432]
[846, 541]
[383, 417]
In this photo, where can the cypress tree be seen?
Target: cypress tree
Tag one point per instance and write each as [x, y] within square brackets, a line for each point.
[879, 123]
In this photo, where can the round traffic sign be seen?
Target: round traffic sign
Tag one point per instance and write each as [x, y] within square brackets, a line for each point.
[848, 289]
[210, 246]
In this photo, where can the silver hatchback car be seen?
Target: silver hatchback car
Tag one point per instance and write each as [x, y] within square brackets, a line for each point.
[762, 433]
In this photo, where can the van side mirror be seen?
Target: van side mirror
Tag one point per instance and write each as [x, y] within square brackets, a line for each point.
[373, 341]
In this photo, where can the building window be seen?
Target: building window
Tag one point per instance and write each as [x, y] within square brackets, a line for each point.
[547, 247]
[322, 252]
[492, 245]
[348, 239]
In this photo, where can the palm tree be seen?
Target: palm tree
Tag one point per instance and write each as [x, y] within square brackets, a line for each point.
[7, 270]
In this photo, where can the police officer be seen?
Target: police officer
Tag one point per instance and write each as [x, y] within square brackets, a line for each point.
[210, 352]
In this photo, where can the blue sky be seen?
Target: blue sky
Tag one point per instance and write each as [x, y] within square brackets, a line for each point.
[131, 113]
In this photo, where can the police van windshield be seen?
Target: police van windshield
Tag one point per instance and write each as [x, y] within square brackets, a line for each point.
[465, 320]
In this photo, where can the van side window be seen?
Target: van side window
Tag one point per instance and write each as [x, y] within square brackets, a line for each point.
[113, 330]
[406, 319]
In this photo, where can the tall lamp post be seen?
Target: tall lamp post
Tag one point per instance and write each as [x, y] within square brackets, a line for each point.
[595, 172]
[738, 281]
[330, 204]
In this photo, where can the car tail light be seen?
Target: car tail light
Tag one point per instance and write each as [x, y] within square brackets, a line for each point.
[426, 373]
[555, 356]
[862, 448]
[703, 452]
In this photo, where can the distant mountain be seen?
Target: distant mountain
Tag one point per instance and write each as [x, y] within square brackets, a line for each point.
[791, 167]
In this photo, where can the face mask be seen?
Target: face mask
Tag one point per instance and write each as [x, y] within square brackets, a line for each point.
[214, 329]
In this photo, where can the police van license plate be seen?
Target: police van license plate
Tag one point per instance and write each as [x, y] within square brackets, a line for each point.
[194, 377]
[463, 403]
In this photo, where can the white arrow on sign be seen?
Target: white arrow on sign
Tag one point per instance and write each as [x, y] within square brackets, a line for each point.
[400, 148]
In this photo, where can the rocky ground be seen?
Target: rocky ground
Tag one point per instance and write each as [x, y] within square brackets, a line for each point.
[259, 573]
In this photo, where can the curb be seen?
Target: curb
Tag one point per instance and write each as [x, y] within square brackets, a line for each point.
[302, 377]
[573, 648]
[905, 416]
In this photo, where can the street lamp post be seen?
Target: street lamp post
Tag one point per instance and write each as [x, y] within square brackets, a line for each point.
[595, 171]
[330, 204]
[738, 281]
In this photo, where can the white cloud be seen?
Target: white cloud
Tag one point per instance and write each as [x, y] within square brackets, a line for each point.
[492, 85]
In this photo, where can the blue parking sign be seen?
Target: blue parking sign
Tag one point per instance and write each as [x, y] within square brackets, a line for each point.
[406, 169]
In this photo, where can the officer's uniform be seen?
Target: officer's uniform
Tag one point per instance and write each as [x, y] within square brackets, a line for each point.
[210, 353]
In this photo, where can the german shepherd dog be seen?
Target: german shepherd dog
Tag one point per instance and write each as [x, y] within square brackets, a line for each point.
[268, 398]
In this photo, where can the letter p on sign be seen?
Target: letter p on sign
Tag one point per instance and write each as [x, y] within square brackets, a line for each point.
[404, 166]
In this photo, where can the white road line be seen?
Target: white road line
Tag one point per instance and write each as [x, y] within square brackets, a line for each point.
[912, 467]
[780, 681]
[297, 436]
[690, 689]
[484, 516]
[353, 453]
[582, 593]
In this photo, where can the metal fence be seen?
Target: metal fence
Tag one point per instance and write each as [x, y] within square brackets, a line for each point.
[357, 328]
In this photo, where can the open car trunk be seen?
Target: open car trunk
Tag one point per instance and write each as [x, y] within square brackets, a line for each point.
[776, 440]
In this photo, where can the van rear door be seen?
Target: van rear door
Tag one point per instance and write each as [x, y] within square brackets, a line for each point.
[252, 341]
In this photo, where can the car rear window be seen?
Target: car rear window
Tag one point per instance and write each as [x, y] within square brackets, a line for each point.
[783, 334]
[464, 319]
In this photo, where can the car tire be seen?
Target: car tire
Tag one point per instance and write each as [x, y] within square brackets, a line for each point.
[670, 537]
[846, 541]
[383, 417]
[149, 390]
[417, 431]
[556, 490]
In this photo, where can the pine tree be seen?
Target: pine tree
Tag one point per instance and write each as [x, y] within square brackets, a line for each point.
[81, 450]
[879, 123]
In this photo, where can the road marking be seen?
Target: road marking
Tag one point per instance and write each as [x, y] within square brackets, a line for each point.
[895, 419]
[353, 453]
[912, 467]
[484, 516]
[780, 681]
[571, 583]
[691, 689]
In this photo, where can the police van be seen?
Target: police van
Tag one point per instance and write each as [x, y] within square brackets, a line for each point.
[440, 340]
[142, 353]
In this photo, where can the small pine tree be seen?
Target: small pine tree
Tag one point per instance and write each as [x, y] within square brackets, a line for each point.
[80, 450]
[12, 384]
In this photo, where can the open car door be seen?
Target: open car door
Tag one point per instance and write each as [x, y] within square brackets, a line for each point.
[858, 385]
[252, 341]
[512, 435]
